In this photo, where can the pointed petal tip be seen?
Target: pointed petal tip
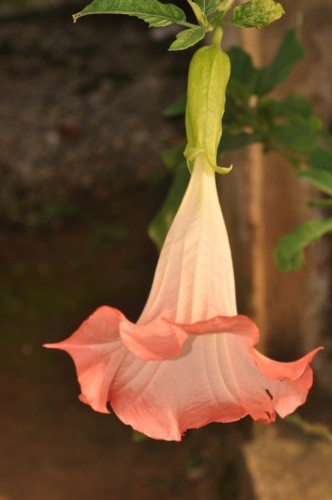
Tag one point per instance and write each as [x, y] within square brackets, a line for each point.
[289, 382]
[54, 345]
[164, 433]
[278, 370]
[99, 407]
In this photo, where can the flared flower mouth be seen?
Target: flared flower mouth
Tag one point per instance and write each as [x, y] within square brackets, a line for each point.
[190, 359]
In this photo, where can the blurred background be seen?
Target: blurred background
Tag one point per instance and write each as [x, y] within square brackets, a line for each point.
[81, 131]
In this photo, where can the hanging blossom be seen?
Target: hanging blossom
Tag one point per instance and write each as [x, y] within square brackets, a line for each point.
[190, 359]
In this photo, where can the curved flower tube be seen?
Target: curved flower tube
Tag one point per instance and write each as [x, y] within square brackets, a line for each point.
[190, 359]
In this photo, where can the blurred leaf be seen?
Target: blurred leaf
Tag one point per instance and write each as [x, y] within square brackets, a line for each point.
[299, 136]
[320, 178]
[321, 159]
[314, 430]
[320, 203]
[199, 13]
[239, 91]
[326, 136]
[288, 255]
[239, 140]
[155, 13]
[188, 38]
[178, 107]
[289, 54]
[159, 226]
[256, 13]
[138, 437]
[293, 106]
[208, 6]
[216, 19]
[242, 68]
[173, 156]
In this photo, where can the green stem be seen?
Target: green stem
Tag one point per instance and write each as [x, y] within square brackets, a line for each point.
[187, 25]
[217, 37]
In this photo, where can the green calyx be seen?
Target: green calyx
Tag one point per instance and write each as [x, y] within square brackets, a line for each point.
[209, 73]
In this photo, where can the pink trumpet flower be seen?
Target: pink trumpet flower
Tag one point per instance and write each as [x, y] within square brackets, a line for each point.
[190, 359]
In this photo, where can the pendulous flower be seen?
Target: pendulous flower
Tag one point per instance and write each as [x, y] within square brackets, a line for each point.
[190, 359]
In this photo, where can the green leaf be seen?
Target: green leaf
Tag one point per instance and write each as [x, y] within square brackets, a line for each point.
[188, 38]
[234, 141]
[243, 69]
[290, 123]
[321, 159]
[240, 93]
[326, 137]
[173, 156]
[199, 13]
[216, 19]
[178, 107]
[138, 437]
[289, 54]
[159, 226]
[320, 203]
[155, 13]
[208, 6]
[321, 179]
[256, 13]
[288, 255]
[300, 136]
[293, 106]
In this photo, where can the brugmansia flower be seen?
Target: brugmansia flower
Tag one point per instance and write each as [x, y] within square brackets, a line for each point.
[190, 359]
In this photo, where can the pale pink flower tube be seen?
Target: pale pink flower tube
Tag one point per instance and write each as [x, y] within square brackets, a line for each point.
[190, 359]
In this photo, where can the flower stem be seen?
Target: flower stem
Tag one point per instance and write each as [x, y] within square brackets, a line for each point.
[217, 37]
[187, 25]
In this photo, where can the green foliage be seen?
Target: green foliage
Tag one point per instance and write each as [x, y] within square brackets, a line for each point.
[294, 106]
[297, 134]
[291, 127]
[176, 108]
[288, 255]
[209, 15]
[243, 71]
[137, 437]
[256, 13]
[199, 13]
[208, 6]
[155, 13]
[188, 38]
[320, 178]
[261, 81]
[215, 20]
[321, 158]
[289, 54]
[287, 126]
[238, 140]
